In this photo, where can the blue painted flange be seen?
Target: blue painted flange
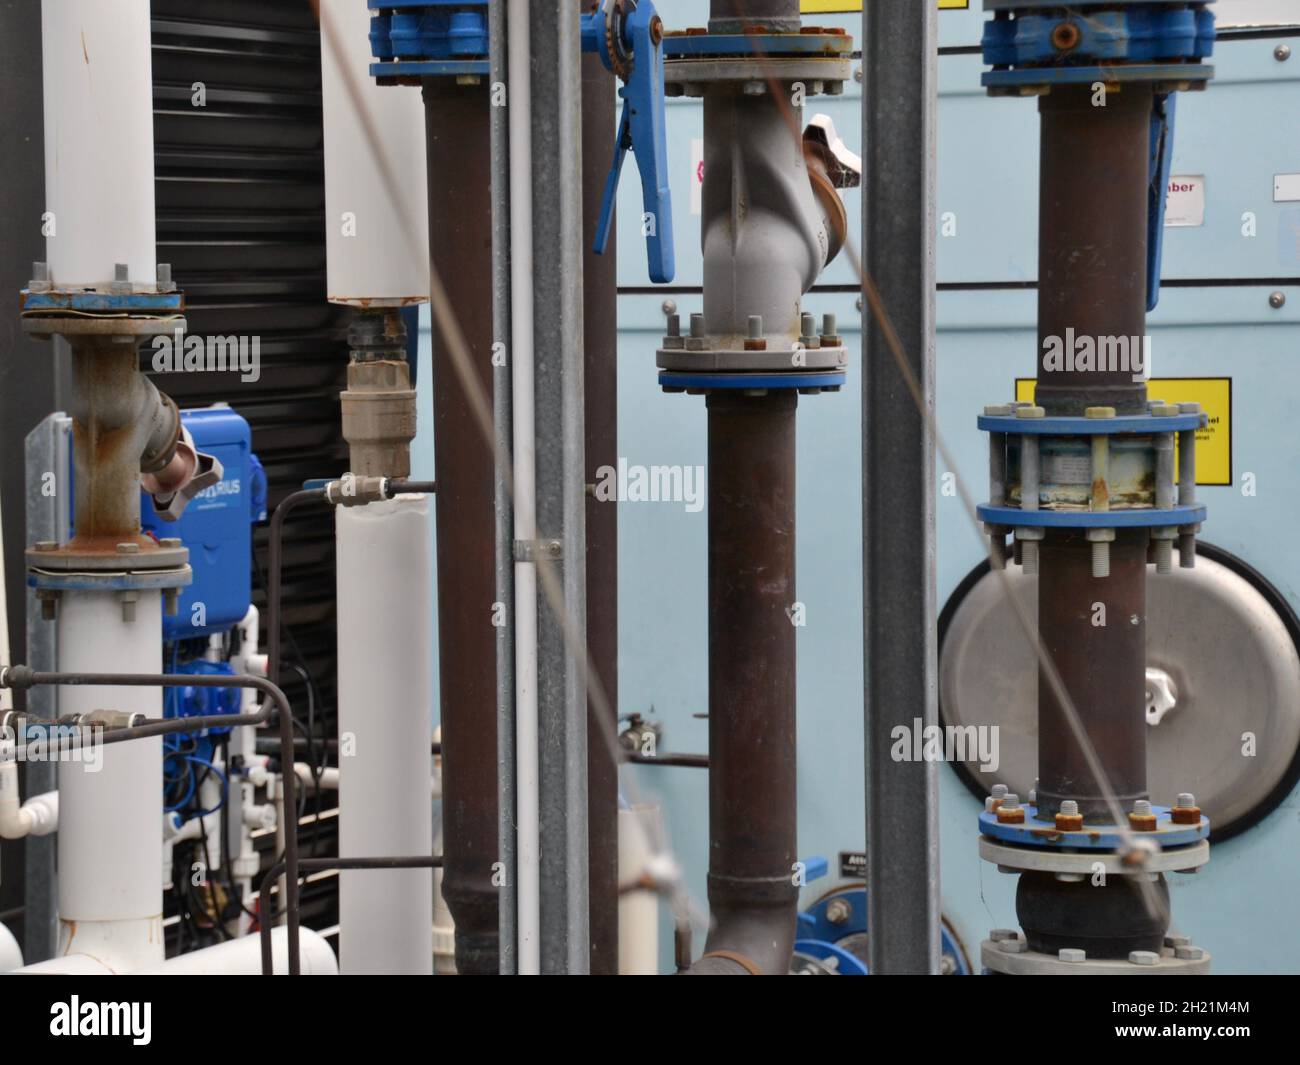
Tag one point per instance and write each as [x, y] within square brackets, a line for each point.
[771, 45]
[820, 938]
[771, 381]
[1149, 518]
[110, 580]
[1035, 833]
[428, 38]
[1064, 426]
[88, 301]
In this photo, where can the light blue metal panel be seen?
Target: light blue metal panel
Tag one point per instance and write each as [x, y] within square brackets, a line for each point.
[663, 620]
[1234, 134]
[987, 339]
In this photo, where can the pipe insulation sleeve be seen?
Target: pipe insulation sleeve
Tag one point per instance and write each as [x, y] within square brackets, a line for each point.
[99, 187]
[111, 800]
[385, 588]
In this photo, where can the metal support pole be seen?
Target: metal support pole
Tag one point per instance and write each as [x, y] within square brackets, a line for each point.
[600, 370]
[556, 167]
[899, 64]
[499, 137]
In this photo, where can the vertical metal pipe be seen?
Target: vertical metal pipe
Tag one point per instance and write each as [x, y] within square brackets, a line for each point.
[460, 213]
[752, 764]
[1092, 244]
[1092, 282]
[600, 370]
[734, 16]
[504, 565]
[556, 166]
[899, 122]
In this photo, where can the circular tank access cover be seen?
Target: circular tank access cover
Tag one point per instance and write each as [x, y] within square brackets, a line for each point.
[1222, 667]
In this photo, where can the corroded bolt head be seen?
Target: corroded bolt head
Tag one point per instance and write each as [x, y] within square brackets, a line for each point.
[128, 549]
[838, 911]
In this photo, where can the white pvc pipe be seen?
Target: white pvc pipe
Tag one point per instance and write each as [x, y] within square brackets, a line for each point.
[38, 816]
[11, 955]
[528, 872]
[385, 720]
[243, 957]
[638, 911]
[99, 195]
[238, 957]
[376, 231]
[111, 823]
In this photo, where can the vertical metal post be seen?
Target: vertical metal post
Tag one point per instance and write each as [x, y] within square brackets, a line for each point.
[899, 62]
[499, 138]
[556, 167]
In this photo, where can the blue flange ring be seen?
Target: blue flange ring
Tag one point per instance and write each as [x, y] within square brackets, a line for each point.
[1035, 833]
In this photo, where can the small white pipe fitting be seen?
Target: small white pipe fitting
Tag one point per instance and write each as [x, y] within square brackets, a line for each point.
[38, 816]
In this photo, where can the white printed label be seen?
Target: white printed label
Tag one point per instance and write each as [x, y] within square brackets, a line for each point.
[1185, 200]
[1286, 188]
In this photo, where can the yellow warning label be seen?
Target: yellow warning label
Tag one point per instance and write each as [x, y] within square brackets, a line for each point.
[835, 7]
[1213, 443]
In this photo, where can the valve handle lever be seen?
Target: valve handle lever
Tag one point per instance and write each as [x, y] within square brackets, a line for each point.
[633, 30]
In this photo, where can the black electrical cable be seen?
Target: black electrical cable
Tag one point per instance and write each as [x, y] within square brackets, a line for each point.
[23, 677]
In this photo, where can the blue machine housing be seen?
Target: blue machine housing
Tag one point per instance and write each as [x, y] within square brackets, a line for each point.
[215, 526]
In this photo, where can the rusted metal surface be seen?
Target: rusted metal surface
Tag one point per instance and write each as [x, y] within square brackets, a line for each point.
[121, 425]
[1092, 243]
[1092, 282]
[460, 227]
[600, 420]
[752, 800]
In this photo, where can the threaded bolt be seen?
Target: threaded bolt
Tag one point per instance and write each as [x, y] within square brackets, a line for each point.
[828, 325]
[807, 325]
[1164, 556]
[1029, 557]
[1142, 808]
[1070, 808]
[1100, 559]
[755, 323]
[1186, 798]
[674, 325]
[999, 791]
[697, 325]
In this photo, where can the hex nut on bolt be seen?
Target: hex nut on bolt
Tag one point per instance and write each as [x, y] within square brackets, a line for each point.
[1143, 957]
[1185, 811]
[1141, 818]
[1189, 953]
[1073, 954]
[1001, 935]
[1068, 818]
[1010, 812]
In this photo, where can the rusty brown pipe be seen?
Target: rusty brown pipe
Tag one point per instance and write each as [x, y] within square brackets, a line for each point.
[600, 421]
[1092, 280]
[460, 229]
[122, 426]
[752, 807]
[1092, 238]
